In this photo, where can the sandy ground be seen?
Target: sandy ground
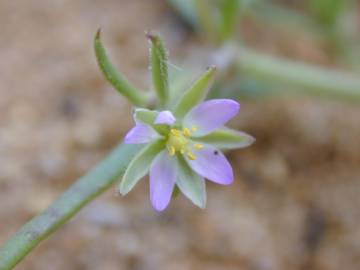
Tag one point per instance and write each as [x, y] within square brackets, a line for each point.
[295, 203]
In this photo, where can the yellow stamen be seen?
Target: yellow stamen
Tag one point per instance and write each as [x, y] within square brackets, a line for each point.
[172, 150]
[194, 128]
[198, 146]
[191, 156]
[175, 132]
[186, 132]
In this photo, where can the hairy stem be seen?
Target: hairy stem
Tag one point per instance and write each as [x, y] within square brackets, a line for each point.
[75, 198]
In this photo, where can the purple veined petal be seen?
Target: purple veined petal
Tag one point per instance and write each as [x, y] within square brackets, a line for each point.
[210, 115]
[165, 117]
[141, 133]
[212, 164]
[162, 180]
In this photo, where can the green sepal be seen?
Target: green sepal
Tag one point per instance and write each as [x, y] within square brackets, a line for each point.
[114, 77]
[145, 116]
[179, 82]
[227, 139]
[190, 183]
[196, 93]
[140, 166]
[148, 117]
[159, 68]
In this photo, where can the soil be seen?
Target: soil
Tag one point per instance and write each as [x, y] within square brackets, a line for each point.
[295, 201]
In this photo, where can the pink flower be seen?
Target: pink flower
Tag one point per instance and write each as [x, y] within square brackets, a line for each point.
[185, 151]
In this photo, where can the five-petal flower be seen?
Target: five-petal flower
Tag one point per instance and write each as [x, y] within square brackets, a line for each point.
[182, 152]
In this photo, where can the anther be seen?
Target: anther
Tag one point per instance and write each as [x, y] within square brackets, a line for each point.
[175, 132]
[198, 146]
[191, 156]
[194, 128]
[172, 150]
[186, 132]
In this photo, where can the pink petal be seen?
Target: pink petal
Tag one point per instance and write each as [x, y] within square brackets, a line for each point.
[213, 165]
[165, 117]
[162, 180]
[141, 133]
[211, 115]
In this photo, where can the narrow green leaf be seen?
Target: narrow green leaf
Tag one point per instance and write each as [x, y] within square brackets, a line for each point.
[159, 68]
[229, 10]
[207, 18]
[196, 93]
[114, 77]
[227, 139]
[140, 166]
[190, 183]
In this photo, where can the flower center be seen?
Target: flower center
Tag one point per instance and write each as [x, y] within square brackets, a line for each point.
[178, 142]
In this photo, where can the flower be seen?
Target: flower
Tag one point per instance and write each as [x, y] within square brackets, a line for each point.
[183, 151]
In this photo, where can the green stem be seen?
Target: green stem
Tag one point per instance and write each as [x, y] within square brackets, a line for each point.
[317, 81]
[76, 197]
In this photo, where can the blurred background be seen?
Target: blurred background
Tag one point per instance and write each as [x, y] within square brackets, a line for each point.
[295, 202]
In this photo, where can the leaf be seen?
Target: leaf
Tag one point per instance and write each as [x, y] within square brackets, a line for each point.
[190, 183]
[159, 68]
[207, 18]
[227, 139]
[140, 166]
[229, 10]
[195, 94]
[114, 77]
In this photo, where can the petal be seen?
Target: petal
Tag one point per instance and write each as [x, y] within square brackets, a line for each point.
[165, 117]
[190, 183]
[162, 180]
[212, 164]
[211, 115]
[227, 139]
[141, 133]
